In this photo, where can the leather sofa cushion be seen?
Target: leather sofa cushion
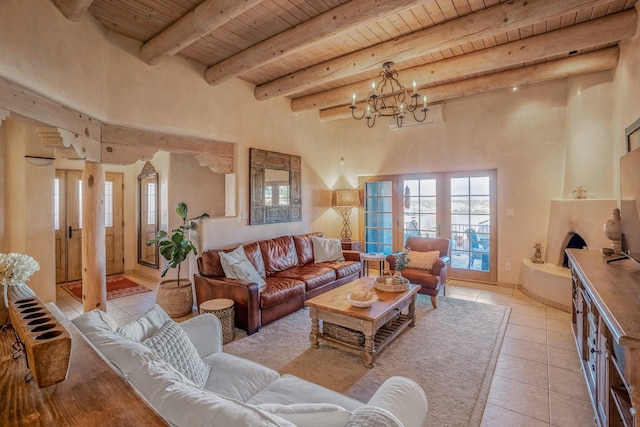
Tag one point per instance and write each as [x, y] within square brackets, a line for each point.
[304, 247]
[314, 276]
[423, 278]
[278, 254]
[343, 268]
[254, 255]
[280, 289]
[209, 263]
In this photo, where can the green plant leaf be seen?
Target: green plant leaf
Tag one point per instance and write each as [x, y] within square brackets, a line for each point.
[182, 210]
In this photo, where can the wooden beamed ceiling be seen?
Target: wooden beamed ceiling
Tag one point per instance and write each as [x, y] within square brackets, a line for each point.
[319, 52]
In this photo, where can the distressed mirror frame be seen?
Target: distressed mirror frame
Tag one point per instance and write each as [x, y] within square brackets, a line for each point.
[259, 160]
[148, 172]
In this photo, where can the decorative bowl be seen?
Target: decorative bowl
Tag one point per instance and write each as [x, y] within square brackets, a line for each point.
[362, 299]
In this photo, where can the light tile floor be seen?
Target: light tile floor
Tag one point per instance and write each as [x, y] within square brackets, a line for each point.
[538, 380]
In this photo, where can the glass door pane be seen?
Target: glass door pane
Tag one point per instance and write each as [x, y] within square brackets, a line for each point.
[420, 208]
[471, 227]
[378, 223]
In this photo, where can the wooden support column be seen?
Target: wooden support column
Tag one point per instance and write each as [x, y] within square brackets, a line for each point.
[94, 282]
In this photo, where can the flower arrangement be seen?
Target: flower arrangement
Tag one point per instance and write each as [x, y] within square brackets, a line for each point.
[15, 269]
[402, 260]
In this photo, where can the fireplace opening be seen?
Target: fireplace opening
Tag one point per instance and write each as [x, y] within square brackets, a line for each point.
[572, 241]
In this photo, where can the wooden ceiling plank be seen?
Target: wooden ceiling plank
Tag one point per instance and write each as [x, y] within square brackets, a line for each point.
[610, 28]
[205, 18]
[73, 9]
[599, 11]
[448, 9]
[584, 15]
[580, 64]
[462, 7]
[485, 23]
[328, 24]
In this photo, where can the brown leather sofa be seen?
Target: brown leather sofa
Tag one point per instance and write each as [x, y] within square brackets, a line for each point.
[287, 265]
[431, 281]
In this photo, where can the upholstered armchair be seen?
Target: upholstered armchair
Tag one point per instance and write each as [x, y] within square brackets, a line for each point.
[427, 269]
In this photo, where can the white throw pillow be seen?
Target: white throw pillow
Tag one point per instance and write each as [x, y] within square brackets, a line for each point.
[423, 260]
[146, 325]
[326, 249]
[172, 345]
[236, 266]
[309, 414]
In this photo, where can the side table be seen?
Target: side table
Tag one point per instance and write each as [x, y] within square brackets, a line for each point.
[375, 258]
[222, 308]
[351, 246]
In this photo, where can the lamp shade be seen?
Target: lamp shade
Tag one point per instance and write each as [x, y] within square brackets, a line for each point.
[345, 198]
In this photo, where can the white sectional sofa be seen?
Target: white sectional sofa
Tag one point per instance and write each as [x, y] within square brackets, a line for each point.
[165, 361]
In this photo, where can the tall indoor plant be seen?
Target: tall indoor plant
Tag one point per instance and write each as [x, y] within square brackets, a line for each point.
[175, 296]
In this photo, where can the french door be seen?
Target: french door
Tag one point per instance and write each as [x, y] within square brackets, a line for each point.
[459, 206]
[68, 224]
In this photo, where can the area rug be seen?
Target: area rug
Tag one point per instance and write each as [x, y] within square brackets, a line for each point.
[117, 287]
[451, 352]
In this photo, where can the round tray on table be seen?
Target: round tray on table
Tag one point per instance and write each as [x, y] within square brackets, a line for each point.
[381, 285]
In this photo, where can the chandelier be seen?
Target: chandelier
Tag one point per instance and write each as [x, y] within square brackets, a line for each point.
[388, 98]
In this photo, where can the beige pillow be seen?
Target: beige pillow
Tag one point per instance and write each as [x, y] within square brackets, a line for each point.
[326, 250]
[423, 260]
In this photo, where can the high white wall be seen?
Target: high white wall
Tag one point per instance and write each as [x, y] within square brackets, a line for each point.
[526, 136]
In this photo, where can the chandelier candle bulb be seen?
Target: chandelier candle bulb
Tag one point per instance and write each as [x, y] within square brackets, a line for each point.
[424, 102]
[414, 87]
[353, 100]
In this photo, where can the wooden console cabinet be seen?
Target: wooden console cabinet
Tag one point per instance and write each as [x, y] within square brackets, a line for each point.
[92, 393]
[606, 327]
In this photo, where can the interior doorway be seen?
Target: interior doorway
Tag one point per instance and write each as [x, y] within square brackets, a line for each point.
[68, 224]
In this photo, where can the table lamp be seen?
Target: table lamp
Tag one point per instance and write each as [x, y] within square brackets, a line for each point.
[344, 201]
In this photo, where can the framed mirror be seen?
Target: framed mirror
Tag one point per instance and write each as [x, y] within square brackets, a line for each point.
[274, 183]
[148, 215]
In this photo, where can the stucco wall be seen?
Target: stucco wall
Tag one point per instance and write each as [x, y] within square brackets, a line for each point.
[524, 135]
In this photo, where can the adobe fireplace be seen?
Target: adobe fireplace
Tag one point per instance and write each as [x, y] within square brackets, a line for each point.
[572, 224]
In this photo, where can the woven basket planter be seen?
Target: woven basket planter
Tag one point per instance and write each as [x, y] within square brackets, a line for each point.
[176, 300]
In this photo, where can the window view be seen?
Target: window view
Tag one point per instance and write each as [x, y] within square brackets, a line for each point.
[419, 201]
[378, 229]
[470, 223]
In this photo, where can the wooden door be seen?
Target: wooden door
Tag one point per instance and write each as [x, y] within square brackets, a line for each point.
[68, 224]
[113, 223]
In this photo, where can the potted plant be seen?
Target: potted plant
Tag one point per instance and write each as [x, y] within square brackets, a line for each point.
[175, 296]
[402, 261]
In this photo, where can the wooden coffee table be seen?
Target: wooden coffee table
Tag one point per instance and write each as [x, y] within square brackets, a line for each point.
[365, 331]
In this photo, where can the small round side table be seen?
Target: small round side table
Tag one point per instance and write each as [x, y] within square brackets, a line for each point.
[222, 308]
[367, 259]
